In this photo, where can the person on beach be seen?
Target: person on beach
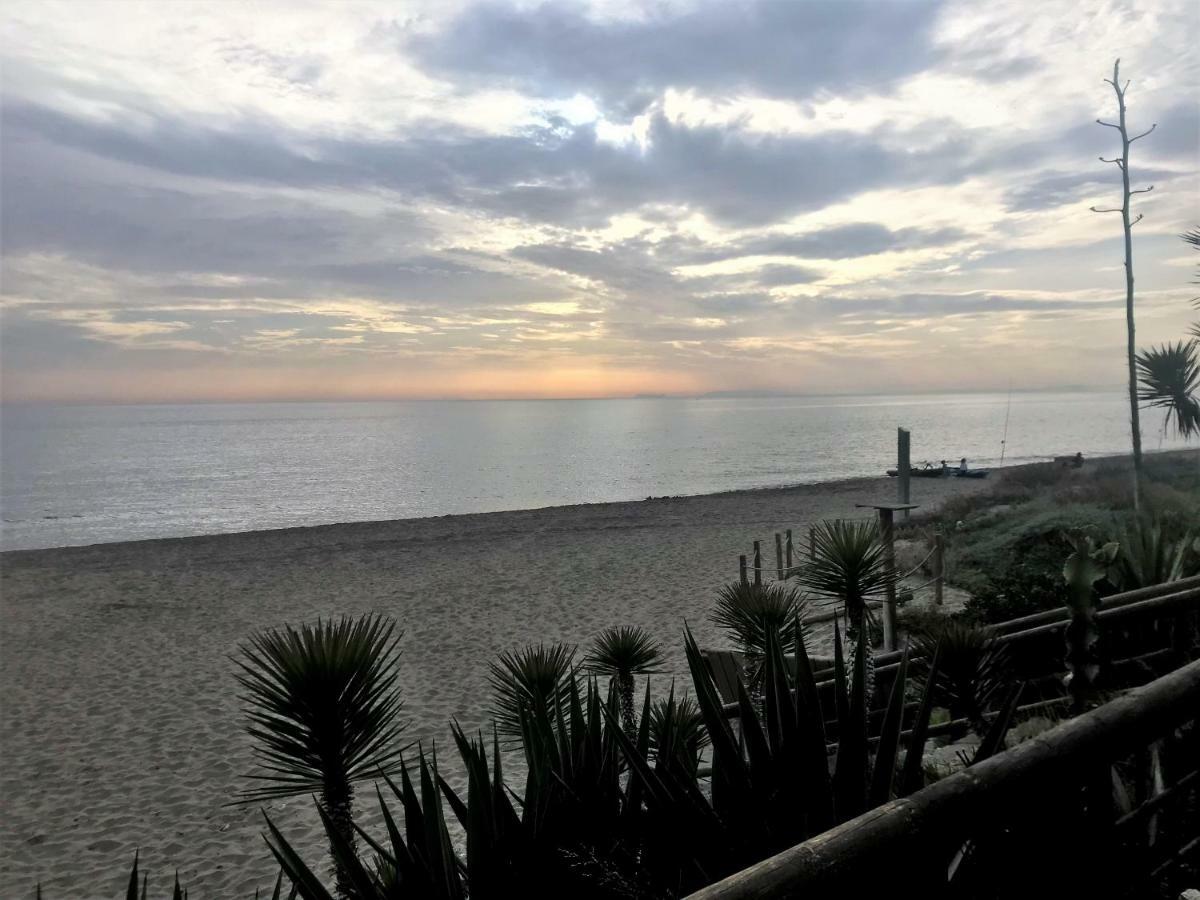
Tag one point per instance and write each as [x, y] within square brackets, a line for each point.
[962, 465]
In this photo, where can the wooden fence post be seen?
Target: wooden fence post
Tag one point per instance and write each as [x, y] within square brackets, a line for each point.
[758, 562]
[939, 566]
[789, 551]
[742, 568]
[812, 542]
[778, 556]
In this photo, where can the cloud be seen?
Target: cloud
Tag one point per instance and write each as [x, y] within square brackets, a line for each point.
[763, 47]
[693, 190]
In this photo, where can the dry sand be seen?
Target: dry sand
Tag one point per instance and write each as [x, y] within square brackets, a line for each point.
[119, 728]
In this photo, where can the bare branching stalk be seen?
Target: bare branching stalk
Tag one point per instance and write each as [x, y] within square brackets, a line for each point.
[1122, 162]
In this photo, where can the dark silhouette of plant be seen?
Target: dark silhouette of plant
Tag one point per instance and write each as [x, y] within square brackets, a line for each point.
[677, 735]
[847, 564]
[620, 653]
[323, 707]
[751, 613]
[972, 672]
[537, 677]
[1169, 379]
[1150, 554]
[1087, 564]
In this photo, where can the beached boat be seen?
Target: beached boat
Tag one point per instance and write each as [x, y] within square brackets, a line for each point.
[923, 472]
[972, 473]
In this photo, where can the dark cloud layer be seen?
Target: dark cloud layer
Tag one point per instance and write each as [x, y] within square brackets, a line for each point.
[765, 47]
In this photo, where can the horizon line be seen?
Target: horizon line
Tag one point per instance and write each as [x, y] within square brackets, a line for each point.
[731, 394]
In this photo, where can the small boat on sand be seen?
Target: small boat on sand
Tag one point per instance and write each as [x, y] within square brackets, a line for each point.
[972, 473]
[926, 471]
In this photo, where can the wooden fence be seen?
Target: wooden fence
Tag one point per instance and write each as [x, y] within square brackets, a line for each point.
[1150, 622]
[1067, 799]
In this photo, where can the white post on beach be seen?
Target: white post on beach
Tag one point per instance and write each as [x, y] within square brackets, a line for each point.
[903, 467]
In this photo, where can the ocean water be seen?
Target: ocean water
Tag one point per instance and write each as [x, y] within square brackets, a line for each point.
[92, 474]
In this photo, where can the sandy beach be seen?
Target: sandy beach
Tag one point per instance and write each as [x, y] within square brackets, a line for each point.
[119, 726]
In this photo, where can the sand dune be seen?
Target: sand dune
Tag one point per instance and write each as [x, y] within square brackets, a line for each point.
[119, 728]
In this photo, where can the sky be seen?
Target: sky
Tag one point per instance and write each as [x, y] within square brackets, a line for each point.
[251, 201]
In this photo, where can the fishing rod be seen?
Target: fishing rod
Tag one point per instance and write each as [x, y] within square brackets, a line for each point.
[1007, 410]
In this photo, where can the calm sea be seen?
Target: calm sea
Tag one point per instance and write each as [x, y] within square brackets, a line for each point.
[89, 474]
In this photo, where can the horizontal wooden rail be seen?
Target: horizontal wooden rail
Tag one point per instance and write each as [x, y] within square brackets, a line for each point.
[847, 860]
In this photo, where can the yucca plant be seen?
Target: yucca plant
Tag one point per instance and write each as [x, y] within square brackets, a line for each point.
[677, 734]
[323, 706]
[538, 677]
[1149, 554]
[619, 653]
[751, 613]
[973, 670]
[847, 564]
[416, 862]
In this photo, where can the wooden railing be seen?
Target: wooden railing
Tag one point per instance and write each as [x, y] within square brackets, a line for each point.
[1019, 806]
[1161, 602]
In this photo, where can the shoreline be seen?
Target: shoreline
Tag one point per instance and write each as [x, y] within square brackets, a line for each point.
[748, 492]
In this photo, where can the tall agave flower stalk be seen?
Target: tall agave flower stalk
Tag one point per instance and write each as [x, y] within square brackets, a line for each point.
[1086, 565]
[323, 705]
[620, 653]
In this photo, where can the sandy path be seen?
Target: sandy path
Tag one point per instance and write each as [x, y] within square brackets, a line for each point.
[118, 724]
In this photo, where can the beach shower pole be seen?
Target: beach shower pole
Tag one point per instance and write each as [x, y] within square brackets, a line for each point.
[903, 467]
[887, 536]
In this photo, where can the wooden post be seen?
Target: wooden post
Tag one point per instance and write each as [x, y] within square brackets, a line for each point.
[779, 556]
[939, 565]
[742, 568]
[887, 535]
[758, 562]
[789, 551]
[903, 467]
[812, 542]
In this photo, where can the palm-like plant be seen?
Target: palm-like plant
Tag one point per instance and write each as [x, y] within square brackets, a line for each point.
[323, 705]
[620, 653]
[677, 734]
[972, 671]
[1169, 379]
[537, 678]
[752, 613]
[848, 564]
